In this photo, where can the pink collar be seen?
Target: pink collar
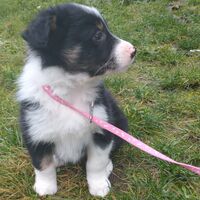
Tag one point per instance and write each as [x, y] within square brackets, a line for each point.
[120, 133]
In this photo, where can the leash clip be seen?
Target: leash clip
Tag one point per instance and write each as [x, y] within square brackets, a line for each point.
[91, 111]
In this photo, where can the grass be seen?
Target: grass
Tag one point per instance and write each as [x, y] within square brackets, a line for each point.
[160, 95]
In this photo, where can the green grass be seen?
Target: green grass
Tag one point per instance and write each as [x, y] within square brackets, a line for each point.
[160, 95]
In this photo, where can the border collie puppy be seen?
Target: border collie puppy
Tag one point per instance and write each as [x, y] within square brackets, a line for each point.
[69, 48]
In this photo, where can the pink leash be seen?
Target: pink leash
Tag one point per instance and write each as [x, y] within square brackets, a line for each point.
[120, 133]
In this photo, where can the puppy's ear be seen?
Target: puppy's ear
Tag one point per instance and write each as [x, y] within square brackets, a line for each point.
[37, 33]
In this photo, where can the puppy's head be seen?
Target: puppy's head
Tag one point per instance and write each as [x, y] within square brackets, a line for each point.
[77, 39]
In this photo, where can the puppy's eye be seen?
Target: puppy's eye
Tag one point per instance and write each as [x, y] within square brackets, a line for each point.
[99, 36]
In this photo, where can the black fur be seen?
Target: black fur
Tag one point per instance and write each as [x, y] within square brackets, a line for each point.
[116, 117]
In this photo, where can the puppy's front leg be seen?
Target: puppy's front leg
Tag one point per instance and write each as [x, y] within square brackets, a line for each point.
[44, 167]
[99, 166]
[45, 181]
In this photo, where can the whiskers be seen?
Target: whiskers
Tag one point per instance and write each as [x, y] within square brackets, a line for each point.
[107, 65]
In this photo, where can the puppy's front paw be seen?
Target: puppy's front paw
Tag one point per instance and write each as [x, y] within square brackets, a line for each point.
[45, 188]
[98, 182]
[100, 187]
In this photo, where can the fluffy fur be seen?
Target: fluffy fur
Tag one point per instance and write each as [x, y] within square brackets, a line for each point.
[69, 48]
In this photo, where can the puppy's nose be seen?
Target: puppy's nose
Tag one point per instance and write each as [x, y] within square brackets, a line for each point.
[133, 53]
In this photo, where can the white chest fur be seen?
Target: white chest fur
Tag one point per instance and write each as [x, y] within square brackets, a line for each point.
[53, 122]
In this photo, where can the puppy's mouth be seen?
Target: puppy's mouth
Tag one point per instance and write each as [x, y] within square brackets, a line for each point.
[112, 66]
[123, 68]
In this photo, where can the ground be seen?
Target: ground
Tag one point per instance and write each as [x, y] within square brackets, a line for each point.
[160, 95]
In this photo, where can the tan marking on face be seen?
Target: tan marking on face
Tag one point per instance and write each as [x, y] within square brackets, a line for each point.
[72, 54]
[99, 26]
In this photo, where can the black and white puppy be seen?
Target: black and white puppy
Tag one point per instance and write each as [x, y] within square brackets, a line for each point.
[69, 47]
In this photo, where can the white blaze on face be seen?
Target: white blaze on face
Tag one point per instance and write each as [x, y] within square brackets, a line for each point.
[124, 54]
